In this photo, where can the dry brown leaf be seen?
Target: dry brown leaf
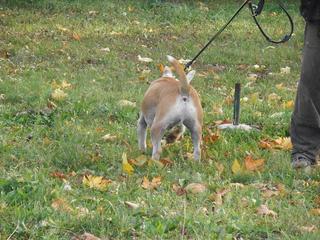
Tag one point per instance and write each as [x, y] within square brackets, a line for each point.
[317, 201]
[58, 174]
[217, 197]
[60, 204]
[178, 189]
[283, 143]
[219, 167]
[85, 236]
[51, 105]
[76, 36]
[195, 188]
[211, 137]
[308, 229]
[315, 211]
[166, 162]
[154, 184]
[268, 193]
[265, 211]
[253, 165]
[139, 161]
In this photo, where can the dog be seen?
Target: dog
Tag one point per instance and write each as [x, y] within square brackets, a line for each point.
[167, 103]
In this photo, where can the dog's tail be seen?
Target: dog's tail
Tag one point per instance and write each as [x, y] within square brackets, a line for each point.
[181, 74]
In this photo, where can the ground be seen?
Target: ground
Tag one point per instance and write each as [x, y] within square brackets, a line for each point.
[65, 69]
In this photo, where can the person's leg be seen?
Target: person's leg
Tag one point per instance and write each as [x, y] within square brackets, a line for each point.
[305, 121]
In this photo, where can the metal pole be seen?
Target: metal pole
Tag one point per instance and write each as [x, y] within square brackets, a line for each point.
[236, 104]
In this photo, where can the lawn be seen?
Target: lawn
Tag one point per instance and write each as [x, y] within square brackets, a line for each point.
[70, 75]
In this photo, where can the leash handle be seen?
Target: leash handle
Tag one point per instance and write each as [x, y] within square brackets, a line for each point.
[255, 13]
[216, 35]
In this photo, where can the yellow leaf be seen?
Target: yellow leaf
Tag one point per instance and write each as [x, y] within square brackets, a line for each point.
[289, 104]
[126, 167]
[58, 95]
[97, 182]
[161, 68]
[236, 167]
[253, 165]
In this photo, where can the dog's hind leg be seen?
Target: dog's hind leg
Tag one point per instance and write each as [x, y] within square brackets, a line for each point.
[142, 133]
[157, 132]
[196, 135]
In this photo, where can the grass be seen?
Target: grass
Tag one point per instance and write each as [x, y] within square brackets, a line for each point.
[49, 41]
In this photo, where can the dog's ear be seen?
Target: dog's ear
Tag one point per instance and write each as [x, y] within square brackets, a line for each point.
[190, 75]
[167, 72]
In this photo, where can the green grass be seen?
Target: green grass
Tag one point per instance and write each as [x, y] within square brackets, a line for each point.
[35, 142]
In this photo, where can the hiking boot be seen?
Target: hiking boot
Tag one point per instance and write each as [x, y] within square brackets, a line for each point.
[299, 160]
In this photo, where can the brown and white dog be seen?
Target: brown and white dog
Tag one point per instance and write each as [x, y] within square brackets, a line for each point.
[167, 103]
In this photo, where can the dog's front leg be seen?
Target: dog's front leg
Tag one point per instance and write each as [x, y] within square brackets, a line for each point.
[157, 132]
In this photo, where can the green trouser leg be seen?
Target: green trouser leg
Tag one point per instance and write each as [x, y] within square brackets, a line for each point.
[305, 121]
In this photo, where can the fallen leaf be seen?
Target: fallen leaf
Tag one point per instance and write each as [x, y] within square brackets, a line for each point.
[139, 161]
[283, 143]
[58, 95]
[125, 103]
[253, 165]
[217, 197]
[308, 229]
[131, 205]
[76, 36]
[178, 189]
[236, 167]
[65, 85]
[97, 182]
[219, 167]
[85, 236]
[285, 70]
[51, 105]
[315, 211]
[273, 97]
[105, 49]
[252, 77]
[211, 137]
[265, 211]
[60, 204]
[161, 68]
[217, 110]
[155, 183]
[288, 104]
[144, 59]
[166, 162]
[195, 188]
[58, 174]
[109, 138]
[126, 167]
